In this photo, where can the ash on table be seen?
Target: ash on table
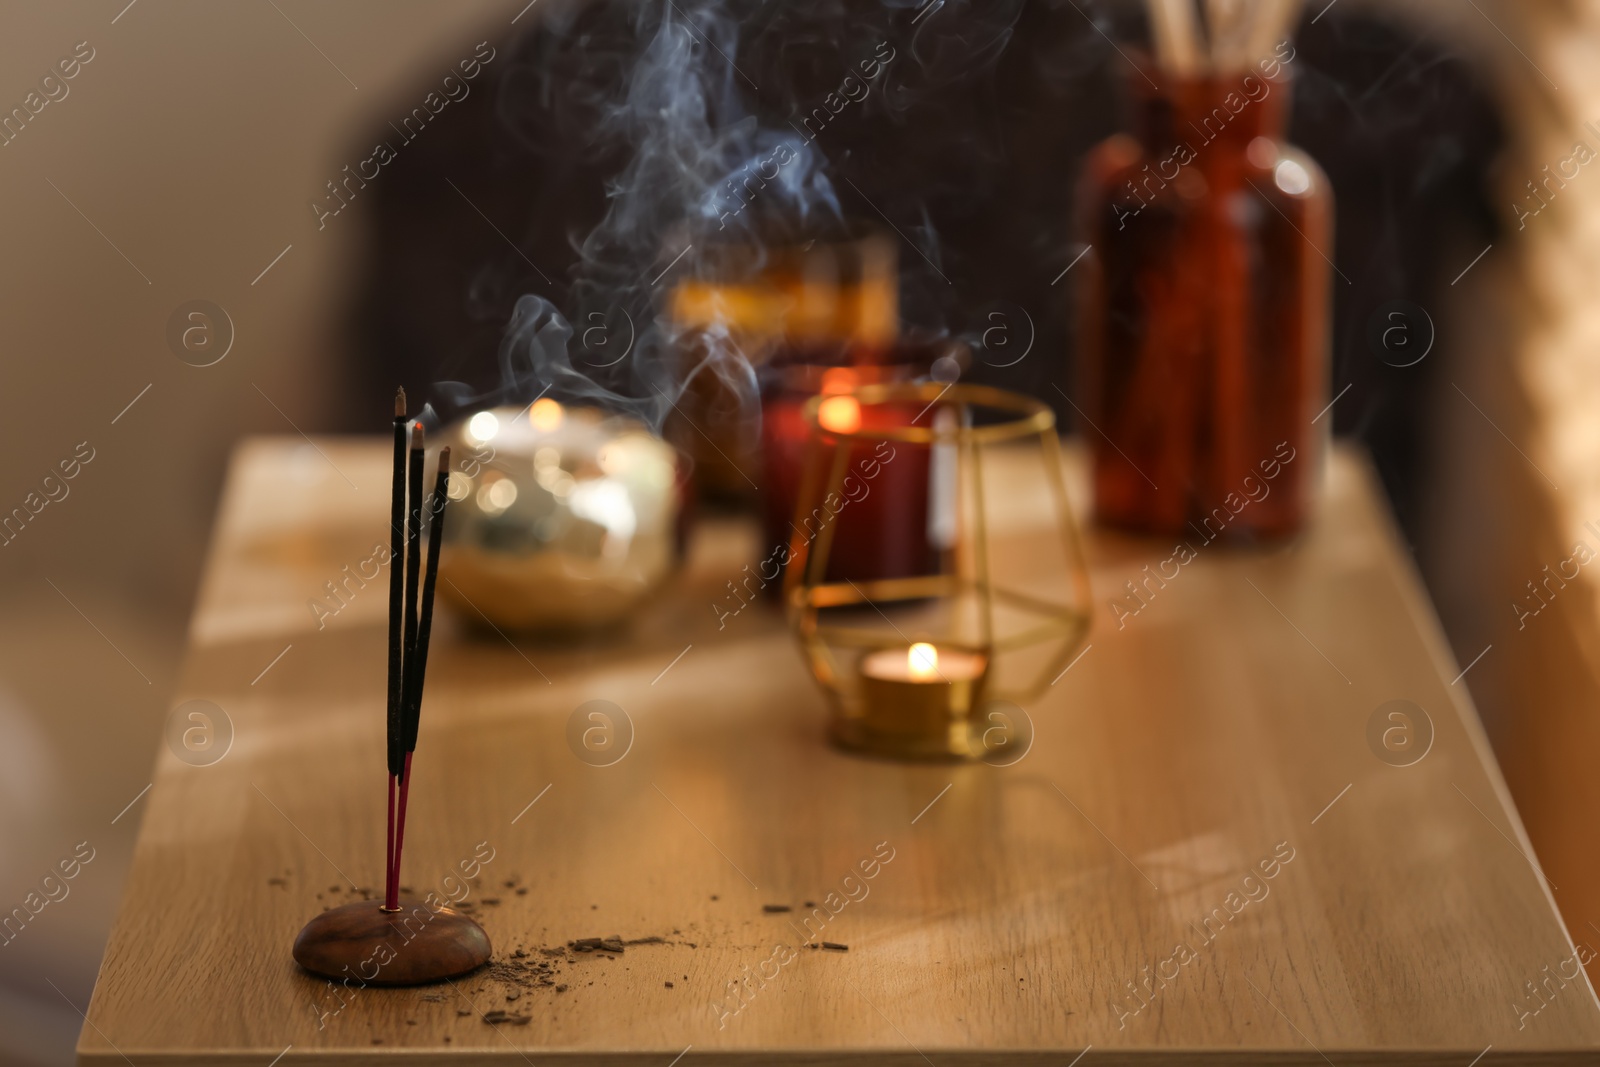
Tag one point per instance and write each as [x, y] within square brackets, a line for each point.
[614, 943]
[527, 970]
[522, 973]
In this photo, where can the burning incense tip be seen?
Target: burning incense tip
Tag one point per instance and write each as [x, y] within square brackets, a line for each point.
[417, 435]
[400, 403]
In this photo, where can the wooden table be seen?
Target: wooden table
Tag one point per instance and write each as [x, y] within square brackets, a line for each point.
[1017, 915]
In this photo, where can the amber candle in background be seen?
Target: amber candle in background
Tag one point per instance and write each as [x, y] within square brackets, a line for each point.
[753, 309]
[824, 316]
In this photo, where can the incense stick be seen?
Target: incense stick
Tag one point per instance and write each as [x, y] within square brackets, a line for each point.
[397, 512]
[413, 563]
[413, 540]
[417, 660]
[436, 508]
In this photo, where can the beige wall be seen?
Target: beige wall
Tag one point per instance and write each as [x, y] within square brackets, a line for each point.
[193, 139]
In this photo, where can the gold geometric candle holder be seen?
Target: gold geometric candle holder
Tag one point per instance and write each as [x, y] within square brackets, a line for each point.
[913, 663]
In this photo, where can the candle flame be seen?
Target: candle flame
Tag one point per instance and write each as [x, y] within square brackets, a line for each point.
[922, 660]
[840, 414]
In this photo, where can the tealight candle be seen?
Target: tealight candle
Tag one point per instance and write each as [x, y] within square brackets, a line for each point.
[921, 699]
[924, 662]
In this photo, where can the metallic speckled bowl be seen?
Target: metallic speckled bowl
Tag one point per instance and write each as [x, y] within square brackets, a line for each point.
[561, 518]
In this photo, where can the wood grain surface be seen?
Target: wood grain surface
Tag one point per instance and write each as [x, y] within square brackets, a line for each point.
[1201, 859]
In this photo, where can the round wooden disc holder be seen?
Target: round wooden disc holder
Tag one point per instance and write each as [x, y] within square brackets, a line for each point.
[413, 945]
[401, 940]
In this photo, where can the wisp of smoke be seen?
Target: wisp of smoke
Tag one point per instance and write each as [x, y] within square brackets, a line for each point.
[699, 176]
[710, 170]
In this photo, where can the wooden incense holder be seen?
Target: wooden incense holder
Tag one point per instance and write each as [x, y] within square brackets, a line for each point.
[414, 945]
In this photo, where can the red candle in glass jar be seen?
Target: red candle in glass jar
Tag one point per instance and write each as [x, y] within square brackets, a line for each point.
[881, 514]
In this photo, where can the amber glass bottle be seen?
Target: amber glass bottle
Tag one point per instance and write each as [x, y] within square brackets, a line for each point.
[1204, 311]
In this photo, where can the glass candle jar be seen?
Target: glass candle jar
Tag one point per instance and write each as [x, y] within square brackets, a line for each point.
[890, 531]
[1204, 311]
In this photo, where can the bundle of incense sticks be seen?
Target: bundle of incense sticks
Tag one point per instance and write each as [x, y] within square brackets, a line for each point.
[408, 631]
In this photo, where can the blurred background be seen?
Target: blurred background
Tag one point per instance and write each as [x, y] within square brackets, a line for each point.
[201, 152]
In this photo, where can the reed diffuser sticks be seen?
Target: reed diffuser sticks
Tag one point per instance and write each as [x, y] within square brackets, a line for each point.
[1236, 33]
[411, 590]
